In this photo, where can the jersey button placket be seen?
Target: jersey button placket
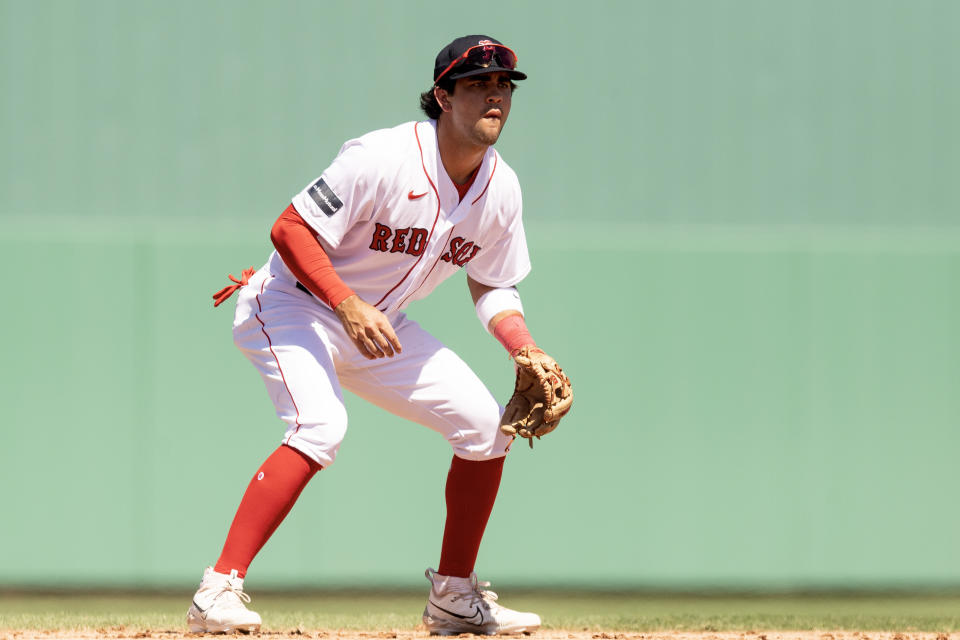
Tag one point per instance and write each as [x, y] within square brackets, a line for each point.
[431, 258]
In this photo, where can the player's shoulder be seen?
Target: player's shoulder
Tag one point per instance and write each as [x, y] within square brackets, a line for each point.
[505, 180]
[505, 172]
[384, 143]
[378, 155]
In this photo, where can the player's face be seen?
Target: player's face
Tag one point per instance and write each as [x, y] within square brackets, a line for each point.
[479, 106]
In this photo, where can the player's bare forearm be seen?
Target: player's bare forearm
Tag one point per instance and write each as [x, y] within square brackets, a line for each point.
[368, 327]
[477, 290]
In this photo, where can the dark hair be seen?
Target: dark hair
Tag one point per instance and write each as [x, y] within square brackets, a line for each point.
[428, 101]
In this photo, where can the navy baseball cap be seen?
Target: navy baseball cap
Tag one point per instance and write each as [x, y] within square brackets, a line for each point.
[474, 55]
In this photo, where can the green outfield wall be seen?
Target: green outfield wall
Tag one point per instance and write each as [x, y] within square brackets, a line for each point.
[744, 219]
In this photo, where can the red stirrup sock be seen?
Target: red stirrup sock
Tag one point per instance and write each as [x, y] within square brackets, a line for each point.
[267, 501]
[471, 491]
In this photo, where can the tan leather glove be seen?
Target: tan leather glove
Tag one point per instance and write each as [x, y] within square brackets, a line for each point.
[541, 397]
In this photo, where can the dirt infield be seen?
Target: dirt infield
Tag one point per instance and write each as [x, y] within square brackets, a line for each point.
[551, 634]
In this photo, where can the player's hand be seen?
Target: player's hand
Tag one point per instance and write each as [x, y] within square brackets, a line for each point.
[368, 328]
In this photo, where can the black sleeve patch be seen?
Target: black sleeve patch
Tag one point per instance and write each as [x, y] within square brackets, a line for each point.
[325, 198]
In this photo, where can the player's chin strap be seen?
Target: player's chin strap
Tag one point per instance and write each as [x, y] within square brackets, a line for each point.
[227, 291]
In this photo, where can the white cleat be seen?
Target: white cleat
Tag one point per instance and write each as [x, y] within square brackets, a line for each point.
[218, 606]
[460, 605]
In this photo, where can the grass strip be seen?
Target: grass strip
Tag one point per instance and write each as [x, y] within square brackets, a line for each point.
[587, 611]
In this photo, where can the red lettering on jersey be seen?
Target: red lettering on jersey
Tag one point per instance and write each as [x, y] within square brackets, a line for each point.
[380, 236]
[464, 254]
[454, 247]
[418, 241]
[398, 237]
[460, 252]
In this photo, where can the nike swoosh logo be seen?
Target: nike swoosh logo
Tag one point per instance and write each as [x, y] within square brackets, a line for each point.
[415, 196]
[476, 609]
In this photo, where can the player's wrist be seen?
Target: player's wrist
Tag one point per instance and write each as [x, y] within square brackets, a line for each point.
[346, 304]
[513, 334]
[337, 295]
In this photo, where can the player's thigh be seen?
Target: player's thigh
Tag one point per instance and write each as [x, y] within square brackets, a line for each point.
[293, 355]
[429, 384]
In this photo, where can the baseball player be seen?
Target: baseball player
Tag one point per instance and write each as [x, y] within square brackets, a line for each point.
[397, 212]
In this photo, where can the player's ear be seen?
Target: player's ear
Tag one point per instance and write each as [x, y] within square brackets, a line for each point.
[442, 98]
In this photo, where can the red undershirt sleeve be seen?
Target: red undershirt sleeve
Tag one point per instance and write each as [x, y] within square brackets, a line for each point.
[297, 244]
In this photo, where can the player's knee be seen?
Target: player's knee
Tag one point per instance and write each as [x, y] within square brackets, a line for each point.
[476, 454]
[480, 438]
[318, 439]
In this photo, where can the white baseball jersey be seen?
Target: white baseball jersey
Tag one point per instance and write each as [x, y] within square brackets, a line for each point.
[394, 227]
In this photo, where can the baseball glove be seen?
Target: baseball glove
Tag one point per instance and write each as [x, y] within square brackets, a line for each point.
[541, 397]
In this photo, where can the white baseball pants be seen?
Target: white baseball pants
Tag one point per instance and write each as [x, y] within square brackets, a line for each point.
[303, 355]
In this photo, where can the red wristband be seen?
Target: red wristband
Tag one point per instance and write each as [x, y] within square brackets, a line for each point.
[513, 334]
